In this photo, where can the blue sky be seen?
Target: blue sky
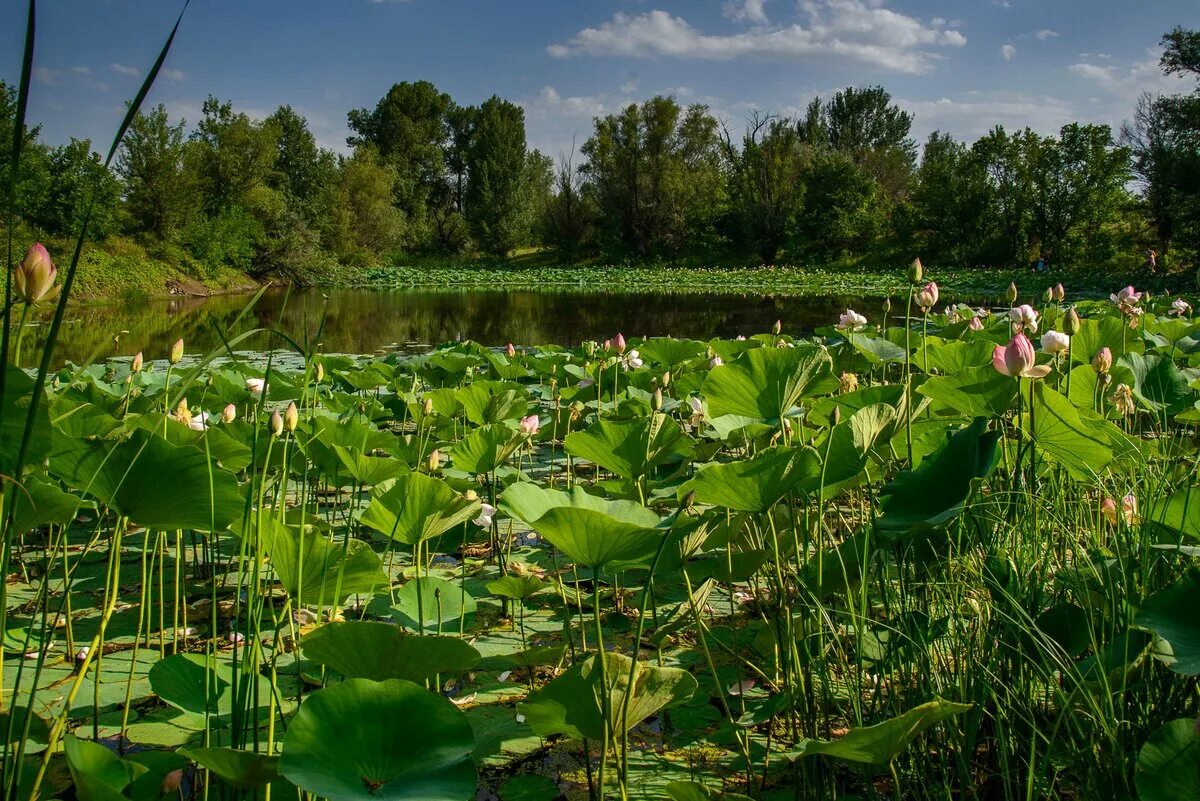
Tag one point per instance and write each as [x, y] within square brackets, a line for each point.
[959, 65]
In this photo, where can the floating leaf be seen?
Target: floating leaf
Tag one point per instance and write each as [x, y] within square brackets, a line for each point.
[883, 742]
[378, 651]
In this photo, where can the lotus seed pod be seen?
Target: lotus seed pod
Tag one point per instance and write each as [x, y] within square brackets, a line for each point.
[176, 355]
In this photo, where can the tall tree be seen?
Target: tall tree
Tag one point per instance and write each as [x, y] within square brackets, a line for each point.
[232, 154]
[158, 194]
[498, 197]
[767, 178]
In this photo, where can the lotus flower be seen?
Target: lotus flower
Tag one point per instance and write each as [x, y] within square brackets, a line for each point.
[847, 382]
[1180, 307]
[486, 513]
[229, 413]
[135, 366]
[697, 407]
[529, 425]
[1129, 509]
[35, 275]
[715, 361]
[1122, 400]
[618, 342]
[509, 350]
[1017, 359]
[927, 298]
[1102, 362]
[198, 422]
[976, 324]
[1055, 342]
[631, 360]
[851, 321]
[256, 387]
[1127, 300]
[275, 423]
[1024, 318]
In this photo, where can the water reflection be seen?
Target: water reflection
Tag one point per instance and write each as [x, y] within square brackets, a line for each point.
[366, 321]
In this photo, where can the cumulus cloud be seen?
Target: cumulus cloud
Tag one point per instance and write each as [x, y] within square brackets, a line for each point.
[1044, 34]
[173, 75]
[125, 69]
[1125, 83]
[856, 30]
[47, 76]
[973, 115]
[1008, 51]
[753, 11]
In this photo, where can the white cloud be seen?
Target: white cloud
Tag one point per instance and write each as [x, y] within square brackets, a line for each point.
[1044, 34]
[854, 30]
[47, 76]
[173, 75]
[1125, 83]
[1008, 51]
[972, 116]
[125, 69]
[752, 11]
[81, 70]
[629, 87]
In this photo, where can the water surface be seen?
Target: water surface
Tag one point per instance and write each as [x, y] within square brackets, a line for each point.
[370, 321]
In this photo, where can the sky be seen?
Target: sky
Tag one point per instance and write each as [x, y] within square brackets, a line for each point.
[960, 66]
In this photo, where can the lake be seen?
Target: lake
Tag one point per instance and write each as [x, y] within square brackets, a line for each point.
[370, 321]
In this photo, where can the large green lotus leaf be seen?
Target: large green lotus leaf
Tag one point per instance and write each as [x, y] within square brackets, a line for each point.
[1168, 766]
[767, 383]
[191, 683]
[150, 481]
[953, 357]
[941, 485]
[493, 402]
[1060, 432]
[1086, 391]
[883, 742]
[392, 740]
[1104, 332]
[529, 502]
[876, 350]
[630, 448]
[378, 651]
[1171, 614]
[418, 507]
[669, 353]
[440, 605]
[517, 587]
[974, 391]
[573, 703]
[314, 569]
[351, 432]
[694, 791]
[98, 773]
[217, 441]
[39, 502]
[485, 448]
[39, 729]
[369, 470]
[242, 770]
[1179, 512]
[14, 410]
[851, 402]
[1158, 383]
[758, 483]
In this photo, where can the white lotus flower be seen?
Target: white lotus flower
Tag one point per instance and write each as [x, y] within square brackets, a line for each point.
[257, 387]
[486, 513]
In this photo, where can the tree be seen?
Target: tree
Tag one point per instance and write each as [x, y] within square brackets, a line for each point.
[767, 178]
[33, 180]
[569, 217]
[231, 154]
[158, 193]
[365, 222]
[950, 199]
[301, 167]
[78, 180]
[498, 198]
[845, 211]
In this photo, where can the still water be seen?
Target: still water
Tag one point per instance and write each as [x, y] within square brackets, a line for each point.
[371, 321]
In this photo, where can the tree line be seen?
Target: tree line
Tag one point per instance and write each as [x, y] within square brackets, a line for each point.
[655, 181]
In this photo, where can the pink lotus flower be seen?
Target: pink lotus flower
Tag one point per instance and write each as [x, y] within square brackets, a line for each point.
[715, 361]
[1017, 359]
[619, 343]
[529, 425]
[256, 387]
[35, 275]
[1129, 509]
[1058, 293]
[1024, 318]
[1180, 307]
[486, 513]
[927, 298]
[509, 350]
[1127, 300]
[850, 320]
[976, 324]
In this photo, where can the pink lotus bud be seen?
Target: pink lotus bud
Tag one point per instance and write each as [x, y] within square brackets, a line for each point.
[229, 413]
[135, 366]
[35, 275]
[1103, 360]
[509, 350]
[1017, 359]
[172, 781]
[976, 324]
[276, 423]
[291, 417]
[529, 425]
[619, 343]
[176, 354]
[927, 298]
[715, 361]
[1059, 293]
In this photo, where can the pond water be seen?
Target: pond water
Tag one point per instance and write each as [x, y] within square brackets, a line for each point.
[369, 321]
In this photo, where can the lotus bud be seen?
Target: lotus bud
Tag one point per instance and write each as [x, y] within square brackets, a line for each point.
[656, 400]
[320, 372]
[229, 413]
[135, 366]
[927, 298]
[715, 361]
[666, 379]
[291, 417]
[1072, 323]
[427, 407]
[618, 342]
[976, 324]
[777, 328]
[1102, 361]
[916, 271]
[1060, 294]
[529, 425]
[172, 781]
[1048, 295]
[82, 653]
[1011, 295]
[836, 417]
[887, 305]
[589, 348]
[35, 275]
[276, 423]
[509, 350]
[435, 460]
[176, 354]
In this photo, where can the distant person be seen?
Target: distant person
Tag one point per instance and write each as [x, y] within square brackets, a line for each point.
[1152, 260]
[1040, 267]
